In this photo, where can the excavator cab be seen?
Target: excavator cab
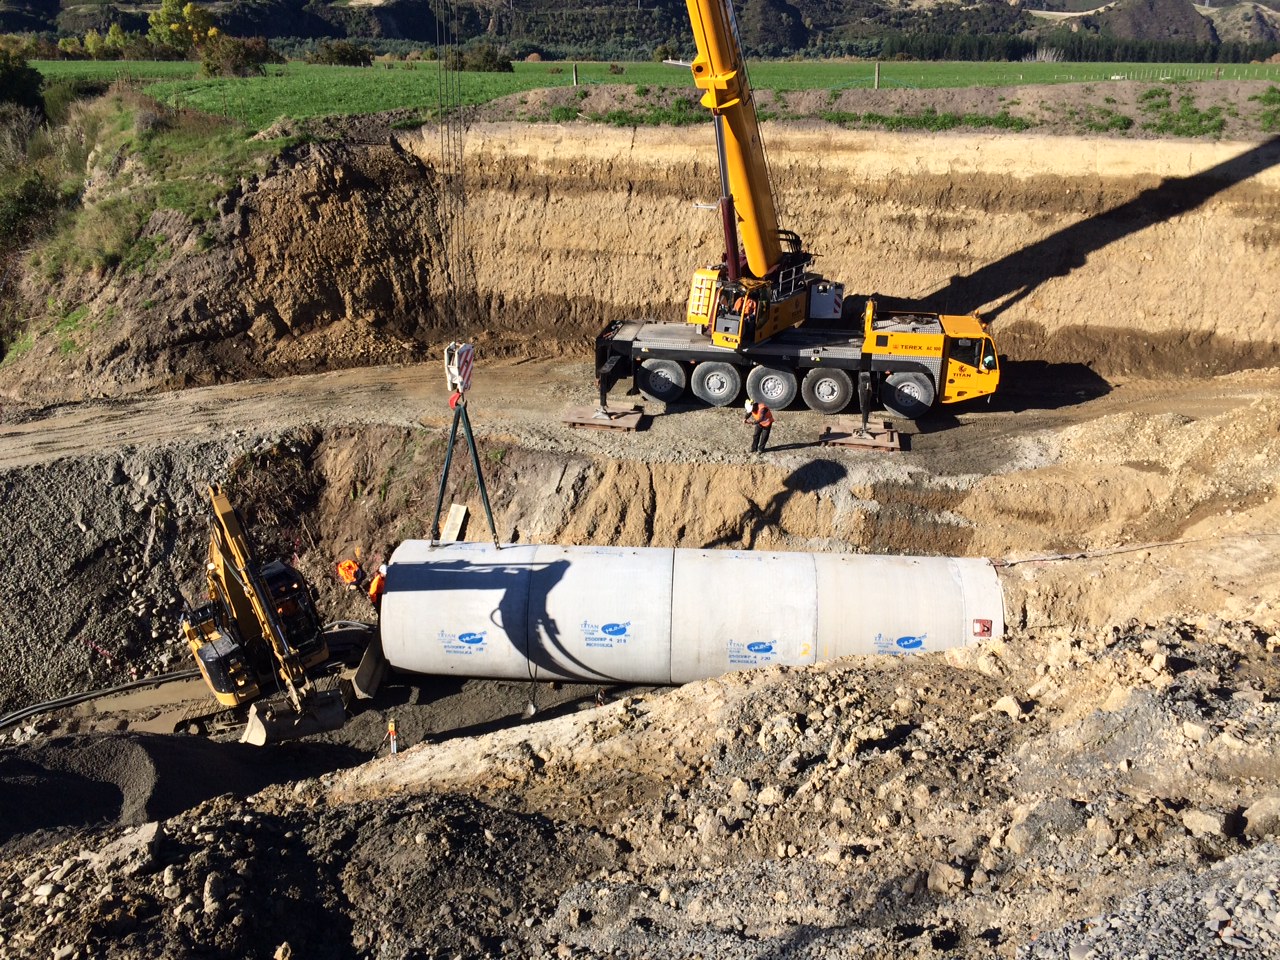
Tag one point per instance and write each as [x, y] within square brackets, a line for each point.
[219, 654]
[295, 612]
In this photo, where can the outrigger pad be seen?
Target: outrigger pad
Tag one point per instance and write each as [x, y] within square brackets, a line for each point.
[618, 418]
[274, 721]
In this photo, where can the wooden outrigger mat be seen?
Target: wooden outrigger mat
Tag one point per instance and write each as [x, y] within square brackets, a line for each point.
[844, 433]
[619, 419]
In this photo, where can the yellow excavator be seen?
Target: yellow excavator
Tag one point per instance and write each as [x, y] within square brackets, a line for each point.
[258, 636]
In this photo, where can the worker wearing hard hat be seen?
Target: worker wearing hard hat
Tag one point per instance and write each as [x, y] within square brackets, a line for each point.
[377, 586]
[762, 417]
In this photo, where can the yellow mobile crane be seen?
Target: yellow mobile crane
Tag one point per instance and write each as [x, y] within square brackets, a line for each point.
[258, 635]
[763, 316]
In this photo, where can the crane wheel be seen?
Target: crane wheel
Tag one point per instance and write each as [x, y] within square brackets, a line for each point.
[775, 386]
[827, 389]
[716, 383]
[662, 381]
[907, 395]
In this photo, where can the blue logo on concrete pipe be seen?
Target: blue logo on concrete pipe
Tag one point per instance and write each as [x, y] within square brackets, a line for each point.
[760, 647]
[607, 636]
[910, 643]
[463, 644]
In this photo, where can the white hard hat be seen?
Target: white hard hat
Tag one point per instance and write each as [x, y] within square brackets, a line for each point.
[747, 406]
[382, 569]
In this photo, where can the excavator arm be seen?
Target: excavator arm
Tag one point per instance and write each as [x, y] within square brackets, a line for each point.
[234, 572]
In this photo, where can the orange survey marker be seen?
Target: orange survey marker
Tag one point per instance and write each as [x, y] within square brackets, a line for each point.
[391, 735]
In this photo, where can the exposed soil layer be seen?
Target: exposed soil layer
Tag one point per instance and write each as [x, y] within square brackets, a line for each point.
[1151, 257]
[1192, 465]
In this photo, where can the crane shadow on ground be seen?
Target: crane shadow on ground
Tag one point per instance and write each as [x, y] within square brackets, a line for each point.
[1039, 385]
[1008, 281]
[808, 478]
[1024, 385]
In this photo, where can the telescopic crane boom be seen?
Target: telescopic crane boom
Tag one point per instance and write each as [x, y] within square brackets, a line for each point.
[720, 73]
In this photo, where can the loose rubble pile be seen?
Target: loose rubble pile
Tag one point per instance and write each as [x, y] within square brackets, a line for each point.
[1093, 795]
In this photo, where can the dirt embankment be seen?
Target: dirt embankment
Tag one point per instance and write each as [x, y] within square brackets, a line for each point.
[1177, 491]
[1126, 256]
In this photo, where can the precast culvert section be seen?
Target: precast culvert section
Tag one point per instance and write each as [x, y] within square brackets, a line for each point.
[654, 615]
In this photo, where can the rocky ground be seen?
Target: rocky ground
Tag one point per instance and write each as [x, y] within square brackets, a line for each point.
[1099, 783]
[1093, 794]
[1105, 775]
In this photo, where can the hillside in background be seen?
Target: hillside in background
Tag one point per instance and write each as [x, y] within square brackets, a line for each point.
[620, 29]
[1156, 20]
[1245, 23]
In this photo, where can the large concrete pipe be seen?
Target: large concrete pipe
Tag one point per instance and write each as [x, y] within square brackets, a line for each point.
[660, 615]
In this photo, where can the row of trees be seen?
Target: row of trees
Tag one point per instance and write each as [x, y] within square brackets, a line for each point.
[177, 31]
[1072, 47]
[1079, 48]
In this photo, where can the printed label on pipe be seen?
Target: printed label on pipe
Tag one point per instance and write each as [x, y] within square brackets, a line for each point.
[752, 654]
[462, 644]
[605, 636]
[899, 645]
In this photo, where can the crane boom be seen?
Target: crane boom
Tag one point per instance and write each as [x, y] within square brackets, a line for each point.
[719, 72]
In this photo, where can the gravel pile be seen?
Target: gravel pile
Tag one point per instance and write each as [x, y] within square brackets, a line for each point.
[1108, 795]
[1233, 904]
[101, 554]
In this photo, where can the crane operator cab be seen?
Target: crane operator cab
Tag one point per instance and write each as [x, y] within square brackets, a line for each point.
[972, 368]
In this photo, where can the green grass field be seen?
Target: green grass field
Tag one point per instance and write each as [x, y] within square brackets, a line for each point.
[301, 90]
[113, 69]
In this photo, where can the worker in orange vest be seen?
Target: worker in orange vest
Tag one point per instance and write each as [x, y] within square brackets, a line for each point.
[745, 307]
[377, 586]
[762, 417]
[351, 573]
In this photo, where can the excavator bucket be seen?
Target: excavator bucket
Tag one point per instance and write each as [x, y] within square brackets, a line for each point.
[273, 721]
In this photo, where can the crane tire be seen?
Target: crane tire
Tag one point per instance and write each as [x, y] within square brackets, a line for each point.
[908, 395]
[662, 381]
[775, 386]
[827, 389]
[716, 383]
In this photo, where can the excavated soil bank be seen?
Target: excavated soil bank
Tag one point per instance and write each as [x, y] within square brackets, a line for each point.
[1131, 257]
[1053, 473]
